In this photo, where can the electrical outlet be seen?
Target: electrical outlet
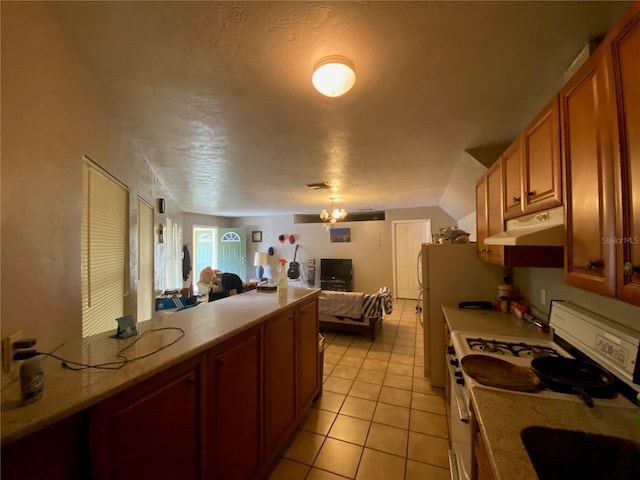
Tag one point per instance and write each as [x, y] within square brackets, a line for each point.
[8, 363]
[543, 296]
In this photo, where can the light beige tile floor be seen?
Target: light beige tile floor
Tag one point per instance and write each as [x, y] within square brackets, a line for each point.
[378, 417]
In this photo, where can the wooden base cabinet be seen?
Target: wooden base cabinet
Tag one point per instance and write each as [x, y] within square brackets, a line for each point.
[280, 380]
[152, 430]
[291, 372]
[308, 379]
[223, 414]
[482, 466]
[234, 407]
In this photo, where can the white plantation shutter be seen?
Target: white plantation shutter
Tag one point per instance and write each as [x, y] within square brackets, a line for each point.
[104, 250]
[145, 260]
[173, 256]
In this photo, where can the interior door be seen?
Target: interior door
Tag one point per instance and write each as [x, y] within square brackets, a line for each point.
[232, 251]
[408, 239]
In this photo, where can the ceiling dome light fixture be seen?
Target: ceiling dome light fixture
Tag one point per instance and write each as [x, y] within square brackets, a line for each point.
[333, 76]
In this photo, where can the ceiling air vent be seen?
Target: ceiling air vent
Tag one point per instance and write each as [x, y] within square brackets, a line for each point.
[318, 186]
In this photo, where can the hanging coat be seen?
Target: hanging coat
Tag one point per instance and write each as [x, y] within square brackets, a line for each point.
[186, 263]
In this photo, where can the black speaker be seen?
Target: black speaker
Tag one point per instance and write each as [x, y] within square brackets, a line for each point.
[161, 205]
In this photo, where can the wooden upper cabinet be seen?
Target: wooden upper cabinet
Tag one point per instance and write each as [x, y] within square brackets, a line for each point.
[589, 182]
[541, 165]
[512, 175]
[495, 222]
[623, 62]
[532, 172]
[481, 217]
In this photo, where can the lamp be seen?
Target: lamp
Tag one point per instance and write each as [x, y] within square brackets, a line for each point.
[259, 261]
[334, 214]
[333, 76]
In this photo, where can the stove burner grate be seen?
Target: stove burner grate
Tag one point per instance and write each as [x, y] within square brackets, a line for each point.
[511, 349]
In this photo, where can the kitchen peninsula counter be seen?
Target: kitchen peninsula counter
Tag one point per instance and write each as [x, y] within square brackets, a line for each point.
[68, 392]
[502, 414]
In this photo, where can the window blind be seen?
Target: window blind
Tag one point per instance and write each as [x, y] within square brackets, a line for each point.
[104, 250]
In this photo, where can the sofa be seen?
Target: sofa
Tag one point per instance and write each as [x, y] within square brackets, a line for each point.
[354, 311]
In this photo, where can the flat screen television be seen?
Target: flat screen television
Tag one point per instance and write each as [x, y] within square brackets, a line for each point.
[340, 268]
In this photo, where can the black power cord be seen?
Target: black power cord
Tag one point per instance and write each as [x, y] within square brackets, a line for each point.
[73, 365]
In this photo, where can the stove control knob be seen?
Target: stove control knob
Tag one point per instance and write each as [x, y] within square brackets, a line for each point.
[458, 374]
[450, 350]
[460, 381]
[454, 362]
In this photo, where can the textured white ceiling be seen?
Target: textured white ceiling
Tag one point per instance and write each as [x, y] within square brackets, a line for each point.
[218, 95]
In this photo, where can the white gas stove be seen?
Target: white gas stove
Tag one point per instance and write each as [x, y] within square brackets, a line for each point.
[583, 333]
[577, 334]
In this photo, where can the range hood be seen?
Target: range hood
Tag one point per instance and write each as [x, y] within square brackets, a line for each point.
[537, 229]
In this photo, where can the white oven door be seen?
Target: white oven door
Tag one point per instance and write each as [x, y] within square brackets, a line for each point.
[459, 428]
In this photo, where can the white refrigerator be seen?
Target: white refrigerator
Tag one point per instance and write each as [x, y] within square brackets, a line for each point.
[451, 273]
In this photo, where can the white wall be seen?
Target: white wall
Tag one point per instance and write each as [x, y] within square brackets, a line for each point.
[531, 280]
[468, 224]
[52, 115]
[370, 246]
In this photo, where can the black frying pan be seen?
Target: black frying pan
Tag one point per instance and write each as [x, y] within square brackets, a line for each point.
[569, 372]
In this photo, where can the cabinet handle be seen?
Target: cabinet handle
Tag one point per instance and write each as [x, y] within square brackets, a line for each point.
[221, 362]
[191, 380]
[589, 264]
[531, 193]
[630, 269]
[516, 199]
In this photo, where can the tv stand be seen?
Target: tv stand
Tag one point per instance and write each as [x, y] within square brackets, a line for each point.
[337, 285]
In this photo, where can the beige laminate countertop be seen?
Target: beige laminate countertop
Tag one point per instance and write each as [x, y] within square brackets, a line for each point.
[67, 392]
[502, 414]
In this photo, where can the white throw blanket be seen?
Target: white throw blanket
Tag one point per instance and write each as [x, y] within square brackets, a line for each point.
[345, 304]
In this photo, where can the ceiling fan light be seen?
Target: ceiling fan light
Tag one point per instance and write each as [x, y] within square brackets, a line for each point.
[334, 76]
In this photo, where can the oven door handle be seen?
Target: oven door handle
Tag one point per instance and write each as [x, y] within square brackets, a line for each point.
[457, 391]
[454, 474]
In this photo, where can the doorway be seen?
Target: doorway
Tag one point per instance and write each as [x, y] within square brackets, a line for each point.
[408, 237]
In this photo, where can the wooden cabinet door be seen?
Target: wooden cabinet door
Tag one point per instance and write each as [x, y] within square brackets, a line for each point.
[152, 430]
[512, 175]
[624, 82]
[481, 217]
[234, 400]
[279, 380]
[482, 465]
[495, 223]
[307, 375]
[586, 140]
[542, 175]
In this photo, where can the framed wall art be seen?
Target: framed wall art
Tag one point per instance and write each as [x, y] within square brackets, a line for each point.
[256, 236]
[340, 235]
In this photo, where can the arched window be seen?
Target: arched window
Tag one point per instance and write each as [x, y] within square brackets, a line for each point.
[231, 237]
